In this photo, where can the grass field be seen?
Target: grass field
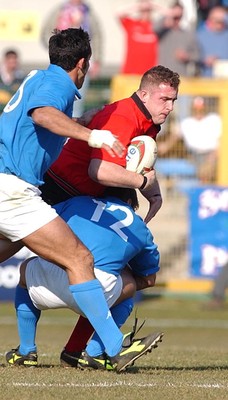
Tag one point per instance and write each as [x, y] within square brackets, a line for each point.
[191, 362]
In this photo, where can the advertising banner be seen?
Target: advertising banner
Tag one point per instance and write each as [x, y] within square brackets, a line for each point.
[208, 230]
[19, 25]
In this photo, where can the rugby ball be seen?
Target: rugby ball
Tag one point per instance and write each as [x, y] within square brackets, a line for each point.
[141, 154]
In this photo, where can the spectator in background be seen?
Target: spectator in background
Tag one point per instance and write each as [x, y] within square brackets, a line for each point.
[189, 18]
[213, 40]
[75, 14]
[218, 294]
[204, 6]
[178, 47]
[11, 76]
[200, 132]
[178, 50]
[141, 42]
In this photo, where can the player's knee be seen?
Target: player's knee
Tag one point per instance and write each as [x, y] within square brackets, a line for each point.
[81, 264]
[85, 255]
[74, 253]
[89, 260]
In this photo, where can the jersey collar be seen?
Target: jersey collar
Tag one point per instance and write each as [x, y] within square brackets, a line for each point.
[59, 70]
[141, 106]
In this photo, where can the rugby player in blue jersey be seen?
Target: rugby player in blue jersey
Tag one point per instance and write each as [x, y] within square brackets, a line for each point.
[33, 129]
[116, 236]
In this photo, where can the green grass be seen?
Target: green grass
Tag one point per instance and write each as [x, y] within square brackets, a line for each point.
[191, 362]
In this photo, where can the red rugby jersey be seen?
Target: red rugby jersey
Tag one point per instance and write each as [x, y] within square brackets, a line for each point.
[126, 119]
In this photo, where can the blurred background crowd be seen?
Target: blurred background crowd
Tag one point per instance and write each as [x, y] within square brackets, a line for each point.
[187, 36]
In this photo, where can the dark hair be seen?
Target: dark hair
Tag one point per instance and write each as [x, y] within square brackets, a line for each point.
[160, 74]
[68, 46]
[177, 4]
[124, 194]
[9, 53]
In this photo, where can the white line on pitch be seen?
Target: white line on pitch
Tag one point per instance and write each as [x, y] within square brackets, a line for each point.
[121, 383]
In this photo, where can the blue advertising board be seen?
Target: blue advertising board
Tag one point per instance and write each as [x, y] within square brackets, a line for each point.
[9, 274]
[208, 230]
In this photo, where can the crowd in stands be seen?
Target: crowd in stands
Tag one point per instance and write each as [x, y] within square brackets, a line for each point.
[191, 39]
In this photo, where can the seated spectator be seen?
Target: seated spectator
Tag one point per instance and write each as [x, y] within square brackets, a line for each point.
[203, 8]
[11, 76]
[200, 133]
[213, 40]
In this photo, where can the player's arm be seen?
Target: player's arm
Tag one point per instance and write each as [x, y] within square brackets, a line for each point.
[57, 122]
[153, 195]
[111, 174]
[145, 265]
[140, 282]
[133, 283]
[131, 9]
[87, 116]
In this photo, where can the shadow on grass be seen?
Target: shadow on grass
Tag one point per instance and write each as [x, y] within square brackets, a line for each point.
[198, 368]
[134, 369]
[47, 366]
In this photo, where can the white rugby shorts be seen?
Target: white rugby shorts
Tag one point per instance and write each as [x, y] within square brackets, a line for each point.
[22, 210]
[48, 286]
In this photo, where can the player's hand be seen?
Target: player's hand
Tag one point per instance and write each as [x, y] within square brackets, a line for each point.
[106, 140]
[143, 282]
[151, 177]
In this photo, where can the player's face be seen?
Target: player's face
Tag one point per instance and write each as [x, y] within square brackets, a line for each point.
[159, 101]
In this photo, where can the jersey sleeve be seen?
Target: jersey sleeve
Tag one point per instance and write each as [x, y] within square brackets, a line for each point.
[147, 261]
[53, 92]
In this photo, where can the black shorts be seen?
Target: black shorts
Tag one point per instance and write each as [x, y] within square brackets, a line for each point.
[53, 193]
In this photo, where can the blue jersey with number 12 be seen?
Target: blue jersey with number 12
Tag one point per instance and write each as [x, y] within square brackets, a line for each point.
[113, 232]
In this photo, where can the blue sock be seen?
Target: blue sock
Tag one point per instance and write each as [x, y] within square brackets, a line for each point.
[90, 299]
[27, 317]
[120, 314]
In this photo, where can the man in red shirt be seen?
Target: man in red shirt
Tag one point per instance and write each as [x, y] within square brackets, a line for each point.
[81, 170]
[141, 42]
[128, 118]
